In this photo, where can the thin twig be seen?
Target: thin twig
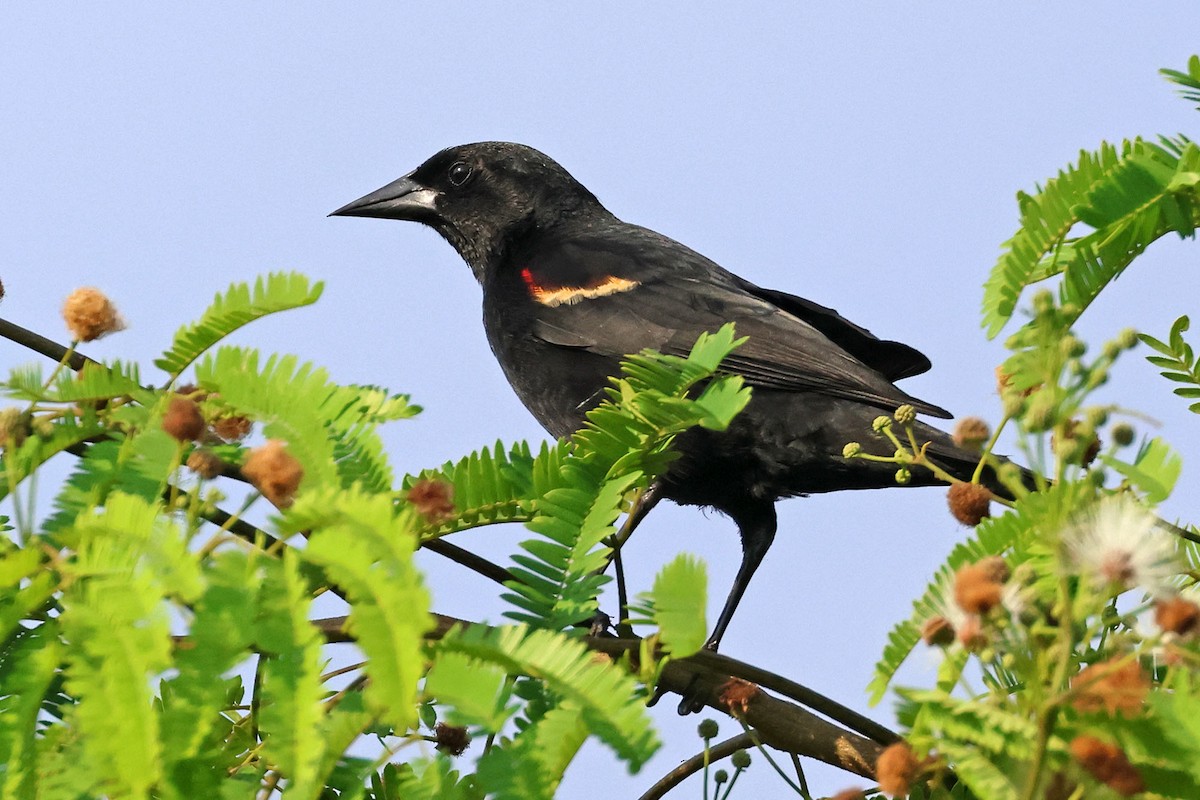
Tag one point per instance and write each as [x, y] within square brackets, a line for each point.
[696, 763]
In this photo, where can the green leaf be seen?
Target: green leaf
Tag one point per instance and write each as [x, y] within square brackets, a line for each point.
[29, 665]
[1131, 196]
[475, 689]
[114, 620]
[366, 548]
[1154, 470]
[291, 716]
[1190, 80]
[532, 764]
[218, 639]
[679, 600]
[238, 306]
[604, 693]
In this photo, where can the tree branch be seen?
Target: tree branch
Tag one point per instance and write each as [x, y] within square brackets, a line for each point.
[40, 344]
[779, 723]
[696, 763]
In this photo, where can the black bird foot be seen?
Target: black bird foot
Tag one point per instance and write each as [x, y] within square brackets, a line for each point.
[601, 623]
[691, 701]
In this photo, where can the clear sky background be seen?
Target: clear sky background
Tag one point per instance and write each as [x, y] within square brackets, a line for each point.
[864, 155]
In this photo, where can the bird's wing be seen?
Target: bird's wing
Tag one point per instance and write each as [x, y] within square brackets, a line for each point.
[664, 295]
[893, 360]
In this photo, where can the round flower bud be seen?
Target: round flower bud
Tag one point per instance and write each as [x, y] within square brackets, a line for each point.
[1127, 338]
[1071, 346]
[89, 314]
[708, 729]
[905, 414]
[183, 420]
[740, 759]
[1123, 434]
[903, 476]
[968, 502]
[851, 450]
[896, 769]
[881, 424]
[1043, 302]
[720, 776]
[970, 433]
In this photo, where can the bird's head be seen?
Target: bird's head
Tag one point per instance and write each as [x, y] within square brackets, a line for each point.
[481, 198]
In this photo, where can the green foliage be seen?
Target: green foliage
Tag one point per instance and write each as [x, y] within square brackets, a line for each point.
[1177, 361]
[1190, 80]
[622, 448]
[600, 691]
[238, 306]
[1129, 196]
[1072, 662]
[146, 651]
[677, 605]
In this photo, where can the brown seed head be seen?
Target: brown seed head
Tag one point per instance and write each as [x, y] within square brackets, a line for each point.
[976, 589]
[1177, 615]
[1118, 686]
[896, 769]
[433, 499]
[205, 463]
[850, 794]
[968, 502]
[183, 420]
[274, 472]
[452, 739]
[232, 428]
[736, 695]
[971, 634]
[971, 432]
[89, 314]
[937, 632]
[1108, 764]
[12, 426]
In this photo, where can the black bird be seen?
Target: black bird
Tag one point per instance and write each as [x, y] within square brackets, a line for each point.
[569, 289]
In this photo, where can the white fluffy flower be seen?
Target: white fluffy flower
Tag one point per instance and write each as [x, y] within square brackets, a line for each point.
[1118, 543]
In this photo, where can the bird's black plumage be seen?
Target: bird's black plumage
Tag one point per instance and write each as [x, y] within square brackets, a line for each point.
[568, 289]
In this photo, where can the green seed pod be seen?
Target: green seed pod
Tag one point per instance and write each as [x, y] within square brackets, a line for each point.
[1123, 434]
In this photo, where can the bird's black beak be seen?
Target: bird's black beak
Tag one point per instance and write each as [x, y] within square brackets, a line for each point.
[404, 198]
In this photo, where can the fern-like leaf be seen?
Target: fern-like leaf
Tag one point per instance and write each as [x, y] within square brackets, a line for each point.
[1130, 196]
[28, 665]
[238, 306]
[114, 619]
[291, 715]
[1178, 361]
[366, 548]
[532, 764]
[603, 692]
[1190, 80]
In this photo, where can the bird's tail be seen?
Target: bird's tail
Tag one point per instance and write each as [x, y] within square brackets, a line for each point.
[963, 463]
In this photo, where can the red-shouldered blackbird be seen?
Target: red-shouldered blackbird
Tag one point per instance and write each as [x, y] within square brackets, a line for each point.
[569, 289]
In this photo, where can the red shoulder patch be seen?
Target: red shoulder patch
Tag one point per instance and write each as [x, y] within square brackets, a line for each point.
[549, 294]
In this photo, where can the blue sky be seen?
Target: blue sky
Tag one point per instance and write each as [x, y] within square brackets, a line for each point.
[863, 155]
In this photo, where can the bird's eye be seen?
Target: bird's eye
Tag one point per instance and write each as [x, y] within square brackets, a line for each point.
[460, 173]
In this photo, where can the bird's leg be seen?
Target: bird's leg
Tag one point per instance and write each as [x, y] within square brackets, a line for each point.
[641, 507]
[756, 524]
